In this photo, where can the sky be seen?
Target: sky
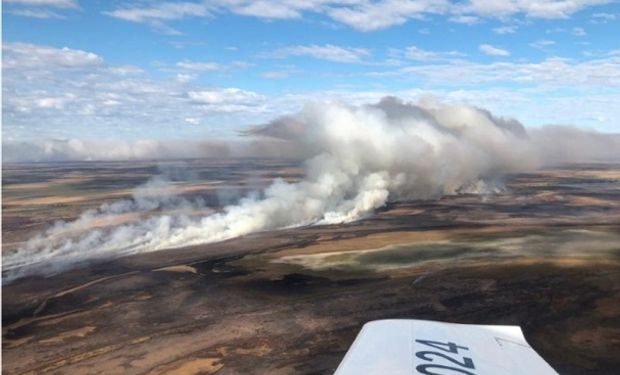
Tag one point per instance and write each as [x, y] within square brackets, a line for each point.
[141, 69]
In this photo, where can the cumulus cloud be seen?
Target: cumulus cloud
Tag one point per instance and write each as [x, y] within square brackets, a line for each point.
[70, 93]
[490, 50]
[21, 56]
[56, 92]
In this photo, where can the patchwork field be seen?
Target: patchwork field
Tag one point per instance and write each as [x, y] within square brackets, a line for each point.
[545, 255]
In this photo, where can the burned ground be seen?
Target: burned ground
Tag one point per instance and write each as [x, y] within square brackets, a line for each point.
[544, 255]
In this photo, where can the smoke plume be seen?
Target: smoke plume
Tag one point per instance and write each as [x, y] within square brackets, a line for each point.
[357, 160]
[52, 150]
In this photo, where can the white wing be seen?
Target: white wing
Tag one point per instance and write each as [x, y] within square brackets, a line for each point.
[395, 347]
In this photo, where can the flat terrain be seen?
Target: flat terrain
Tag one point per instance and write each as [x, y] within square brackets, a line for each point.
[544, 255]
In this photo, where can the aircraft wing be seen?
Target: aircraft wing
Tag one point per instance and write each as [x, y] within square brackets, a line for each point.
[423, 347]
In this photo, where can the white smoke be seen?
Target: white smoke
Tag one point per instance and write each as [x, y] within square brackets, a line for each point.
[51, 150]
[568, 144]
[106, 231]
[359, 158]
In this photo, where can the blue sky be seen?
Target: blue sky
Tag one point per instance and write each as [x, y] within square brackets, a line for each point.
[161, 70]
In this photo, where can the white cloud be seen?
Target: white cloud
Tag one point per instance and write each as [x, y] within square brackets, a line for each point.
[267, 9]
[157, 15]
[55, 103]
[537, 9]
[125, 70]
[416, 53]
[199, 66]
[362, 15]
[184, 78]
[579, 31]
[490, 50]
[71, 93]
[555, 72]
[505, 30]
[161, 12]
[603, 18]
[36, 13]
[25, 55]
[41, 9]
[542, 44]
[534, 105]
[47, 3]
[465, 20]
[222, 96]
[60, 92]
[419, 54]
[277, 74]
[367, 16]
[325, 52]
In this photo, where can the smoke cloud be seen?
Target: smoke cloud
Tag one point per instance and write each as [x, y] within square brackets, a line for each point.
[50, 150]
[357, 160]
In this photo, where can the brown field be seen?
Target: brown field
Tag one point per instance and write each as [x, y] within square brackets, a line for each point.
[545, 255]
